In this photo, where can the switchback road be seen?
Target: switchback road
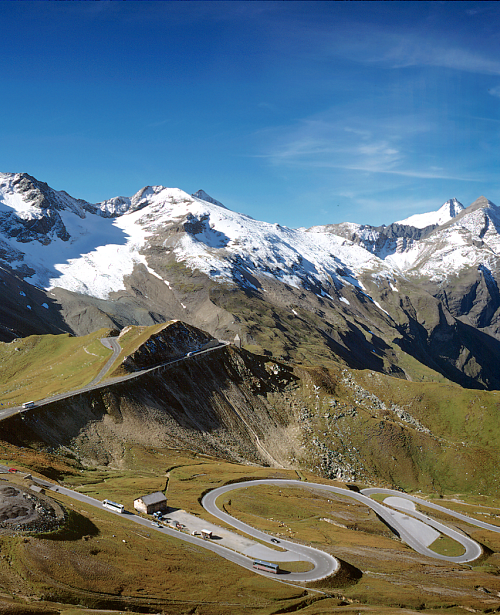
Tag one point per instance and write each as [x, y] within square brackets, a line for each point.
[400, 523]
[422, 502]
[324, 564]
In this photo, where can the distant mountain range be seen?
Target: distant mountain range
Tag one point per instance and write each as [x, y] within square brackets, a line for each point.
[418, 298]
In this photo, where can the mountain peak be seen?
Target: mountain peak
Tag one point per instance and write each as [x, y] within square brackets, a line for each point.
[444, 214]
[480, 203]
[452, 207]
[203, 196]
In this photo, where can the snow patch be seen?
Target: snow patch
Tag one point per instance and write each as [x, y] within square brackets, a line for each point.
[381, 308]
[447, 212]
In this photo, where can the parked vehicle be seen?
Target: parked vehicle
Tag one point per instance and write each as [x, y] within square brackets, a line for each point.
[113, 506]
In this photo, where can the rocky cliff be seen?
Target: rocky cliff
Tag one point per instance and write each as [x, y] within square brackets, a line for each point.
[336, 422]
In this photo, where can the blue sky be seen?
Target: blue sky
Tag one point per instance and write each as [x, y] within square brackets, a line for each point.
[298, 113]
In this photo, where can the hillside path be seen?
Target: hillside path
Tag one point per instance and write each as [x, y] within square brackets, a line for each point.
[112, 344]
[90, 387]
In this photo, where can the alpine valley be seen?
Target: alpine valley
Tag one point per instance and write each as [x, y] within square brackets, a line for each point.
[349, 355]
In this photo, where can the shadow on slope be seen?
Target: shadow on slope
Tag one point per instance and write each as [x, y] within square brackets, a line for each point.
[27, 310]
[214, 403]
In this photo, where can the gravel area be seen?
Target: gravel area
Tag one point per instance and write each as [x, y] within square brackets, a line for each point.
[22, 510]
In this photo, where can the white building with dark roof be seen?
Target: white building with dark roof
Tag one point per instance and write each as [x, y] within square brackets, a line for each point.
[154, 502]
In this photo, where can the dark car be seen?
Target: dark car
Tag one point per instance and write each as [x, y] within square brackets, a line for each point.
[274, 540]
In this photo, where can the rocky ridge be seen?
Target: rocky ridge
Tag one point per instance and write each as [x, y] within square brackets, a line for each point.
[367, 296]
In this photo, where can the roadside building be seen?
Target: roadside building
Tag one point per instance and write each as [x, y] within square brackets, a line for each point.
[149, 504]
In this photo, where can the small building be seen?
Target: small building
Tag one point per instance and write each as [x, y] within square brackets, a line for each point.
[149, 504]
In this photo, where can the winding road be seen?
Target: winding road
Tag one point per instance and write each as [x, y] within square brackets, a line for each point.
[112, 344]
[409, 524]
[401, 523]
[323, 563]
[412, 498]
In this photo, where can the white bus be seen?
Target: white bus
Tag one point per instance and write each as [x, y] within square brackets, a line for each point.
[28, 404]
[113, 506]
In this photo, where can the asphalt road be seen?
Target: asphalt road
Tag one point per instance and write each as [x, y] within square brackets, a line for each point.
[99, 385]
[472, 548]
[237, 558]
[324, 564]
[422, 502]
[112, 344]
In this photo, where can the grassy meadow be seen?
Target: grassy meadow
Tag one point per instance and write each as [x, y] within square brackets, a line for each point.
[132, 338]
[42, 365]
[99, 560]
[39, 366]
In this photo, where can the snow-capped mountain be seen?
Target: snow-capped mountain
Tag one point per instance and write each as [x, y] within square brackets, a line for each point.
[163, 253]
[449, 210]
[90, 248]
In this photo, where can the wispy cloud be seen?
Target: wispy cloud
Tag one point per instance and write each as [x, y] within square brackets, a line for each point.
[398, 45]
[403, 50]
[369, 145]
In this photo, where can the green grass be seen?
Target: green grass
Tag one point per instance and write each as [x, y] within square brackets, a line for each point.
[444, 545]
[460, 454]
[39, 366]
[42, 365]
[300, 513]
[114, 562]
[386, 575]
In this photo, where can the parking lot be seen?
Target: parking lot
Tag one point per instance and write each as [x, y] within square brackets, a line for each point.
[227, 538]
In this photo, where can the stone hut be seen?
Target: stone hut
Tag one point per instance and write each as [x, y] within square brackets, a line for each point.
[149, 504]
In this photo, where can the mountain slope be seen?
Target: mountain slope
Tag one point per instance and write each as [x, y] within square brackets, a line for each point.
[367, 296]
[336, 423]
